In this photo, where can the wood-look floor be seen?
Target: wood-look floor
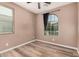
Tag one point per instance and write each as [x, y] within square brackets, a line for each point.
[40, 49]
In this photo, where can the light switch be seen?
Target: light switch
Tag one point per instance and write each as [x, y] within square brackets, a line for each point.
[7, 44]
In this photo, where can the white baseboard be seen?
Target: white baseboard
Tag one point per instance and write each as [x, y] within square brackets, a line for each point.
[17, 46]
[58, 44]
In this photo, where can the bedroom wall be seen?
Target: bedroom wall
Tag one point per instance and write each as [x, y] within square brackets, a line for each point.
[23, 28]
[67, 26]
[78, 29]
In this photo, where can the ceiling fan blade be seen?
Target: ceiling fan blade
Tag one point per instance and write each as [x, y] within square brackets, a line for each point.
[29, 2]
[38, 5]
[47, 2]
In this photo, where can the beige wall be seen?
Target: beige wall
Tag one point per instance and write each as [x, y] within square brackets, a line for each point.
[24, 28]
[67, 26]
[78, 27]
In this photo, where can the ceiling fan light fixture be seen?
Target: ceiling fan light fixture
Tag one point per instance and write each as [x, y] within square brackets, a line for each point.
[39, 4]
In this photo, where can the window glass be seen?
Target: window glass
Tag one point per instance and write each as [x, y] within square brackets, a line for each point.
[6, 20]
[52, 25]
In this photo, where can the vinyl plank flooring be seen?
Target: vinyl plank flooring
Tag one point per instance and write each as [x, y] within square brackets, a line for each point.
[12, 53]
[53, 48]
[51, 52]
[39, 49]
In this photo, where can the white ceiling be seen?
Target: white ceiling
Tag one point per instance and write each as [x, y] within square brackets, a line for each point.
[33, 7]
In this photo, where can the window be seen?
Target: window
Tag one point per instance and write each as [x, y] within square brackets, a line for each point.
[6, 20]
[52, 25]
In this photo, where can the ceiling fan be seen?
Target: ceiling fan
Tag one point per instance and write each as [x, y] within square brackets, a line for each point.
[39, 4]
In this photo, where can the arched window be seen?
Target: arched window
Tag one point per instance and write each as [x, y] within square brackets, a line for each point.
[52, 25]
